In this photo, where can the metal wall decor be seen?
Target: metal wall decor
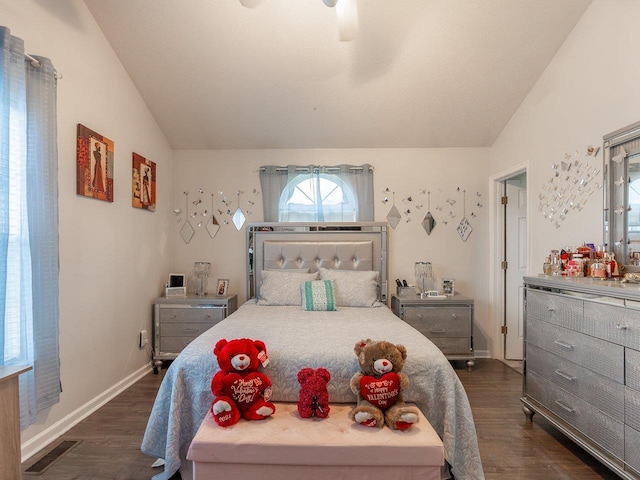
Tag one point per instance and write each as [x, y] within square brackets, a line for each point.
[428, 223]
[393, 217]
[464, 227]
[187, 231]
[574, 179]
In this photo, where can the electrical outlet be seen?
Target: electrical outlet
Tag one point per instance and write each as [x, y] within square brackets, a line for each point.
[143, 339]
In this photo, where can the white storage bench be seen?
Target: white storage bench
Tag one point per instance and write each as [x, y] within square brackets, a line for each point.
[286, 446]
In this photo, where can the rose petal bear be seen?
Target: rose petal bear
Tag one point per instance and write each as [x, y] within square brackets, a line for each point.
[379, 386]
[239, 389]
[313, 398]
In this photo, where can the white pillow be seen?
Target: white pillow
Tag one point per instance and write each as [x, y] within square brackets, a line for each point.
[353, 288]
[282, 287]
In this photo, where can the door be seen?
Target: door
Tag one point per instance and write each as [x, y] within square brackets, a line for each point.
[515, 244]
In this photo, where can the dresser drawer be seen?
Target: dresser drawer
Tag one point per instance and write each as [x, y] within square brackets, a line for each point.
[452, 346]
[601, 428]
[632, 447]
[188, 314]
[602, 357]
[597, 390]
[632, 368]
[632, 408]
[615, 324]
[559, 310]
[439, 321]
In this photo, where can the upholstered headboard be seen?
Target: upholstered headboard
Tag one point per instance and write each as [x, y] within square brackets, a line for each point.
[294, 246]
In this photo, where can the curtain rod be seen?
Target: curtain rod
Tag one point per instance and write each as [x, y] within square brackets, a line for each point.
[306, 169]
[37, 64]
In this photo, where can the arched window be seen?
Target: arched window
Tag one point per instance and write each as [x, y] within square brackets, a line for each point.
[316, 193]
[317, 197]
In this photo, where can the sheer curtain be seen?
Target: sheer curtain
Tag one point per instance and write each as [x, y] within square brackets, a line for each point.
[276, 180]
[29, 224]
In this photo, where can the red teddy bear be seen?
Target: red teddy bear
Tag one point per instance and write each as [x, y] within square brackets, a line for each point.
[313, 399]
[239, 389]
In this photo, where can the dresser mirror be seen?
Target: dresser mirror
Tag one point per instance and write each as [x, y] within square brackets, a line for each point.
[622, 195]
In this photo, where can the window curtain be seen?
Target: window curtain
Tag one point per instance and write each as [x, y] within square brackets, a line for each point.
[274, 180]
[29, 224]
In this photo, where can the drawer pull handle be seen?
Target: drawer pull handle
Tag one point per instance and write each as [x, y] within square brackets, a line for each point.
[173, 315]
[551, 309]
[453, 315]
[566, 376]
[565, 407]
[563, 344]
[439, 330]
[621, 326]
[420, 316]
[208, 315]
[190, 330]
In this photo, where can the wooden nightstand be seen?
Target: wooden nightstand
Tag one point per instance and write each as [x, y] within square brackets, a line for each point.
[447, 322]
[178, 320]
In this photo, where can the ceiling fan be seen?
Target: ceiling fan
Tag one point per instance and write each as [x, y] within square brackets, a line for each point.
[346, 14]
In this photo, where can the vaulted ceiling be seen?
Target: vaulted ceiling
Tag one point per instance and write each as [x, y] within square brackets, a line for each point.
[421, 73]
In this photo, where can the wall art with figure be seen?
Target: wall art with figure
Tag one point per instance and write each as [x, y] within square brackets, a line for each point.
[94, 169]
[143, 183]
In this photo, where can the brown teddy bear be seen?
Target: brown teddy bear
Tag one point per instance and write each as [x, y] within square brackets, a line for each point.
[313, 399]
[379, 386]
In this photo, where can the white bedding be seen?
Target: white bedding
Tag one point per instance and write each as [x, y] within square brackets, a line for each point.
[297, 339]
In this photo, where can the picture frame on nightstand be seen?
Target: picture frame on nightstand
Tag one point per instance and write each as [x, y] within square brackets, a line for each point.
[448, 286]
[222, 287]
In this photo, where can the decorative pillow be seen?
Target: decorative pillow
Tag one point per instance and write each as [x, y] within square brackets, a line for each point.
[283, 288]
[318, 295]
[353, 288]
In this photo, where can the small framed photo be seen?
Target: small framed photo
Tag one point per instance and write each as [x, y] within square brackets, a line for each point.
[448, 286]
[222, 287]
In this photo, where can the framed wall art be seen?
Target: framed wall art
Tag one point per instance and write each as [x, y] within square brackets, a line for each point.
[94, 165]
[143, 183]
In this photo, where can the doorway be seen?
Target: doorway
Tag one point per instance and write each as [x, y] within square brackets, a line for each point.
[514, 263]
[509, 259]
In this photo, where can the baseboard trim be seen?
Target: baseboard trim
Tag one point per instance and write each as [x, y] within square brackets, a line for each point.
[49, 435]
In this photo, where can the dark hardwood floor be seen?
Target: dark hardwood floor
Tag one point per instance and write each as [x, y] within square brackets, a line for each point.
[511, 448]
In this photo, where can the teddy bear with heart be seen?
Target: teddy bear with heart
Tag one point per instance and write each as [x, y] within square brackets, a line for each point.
[379, 385]
[240, 390]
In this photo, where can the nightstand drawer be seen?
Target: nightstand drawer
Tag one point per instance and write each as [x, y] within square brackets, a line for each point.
[185, 329]
[447, 314]
[173, 345]
[452, 346]
[434, 328]
[198, 314]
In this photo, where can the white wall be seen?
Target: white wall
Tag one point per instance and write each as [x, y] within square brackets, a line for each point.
[588, 90]
[405, 171]
[111, 255]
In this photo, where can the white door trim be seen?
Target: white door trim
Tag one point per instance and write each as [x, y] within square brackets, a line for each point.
[496, 246]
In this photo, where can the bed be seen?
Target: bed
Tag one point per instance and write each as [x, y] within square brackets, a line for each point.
[281, 255]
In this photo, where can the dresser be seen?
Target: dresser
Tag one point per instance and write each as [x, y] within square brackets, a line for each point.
[178, 320]
[582, 364]
[447, 322]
